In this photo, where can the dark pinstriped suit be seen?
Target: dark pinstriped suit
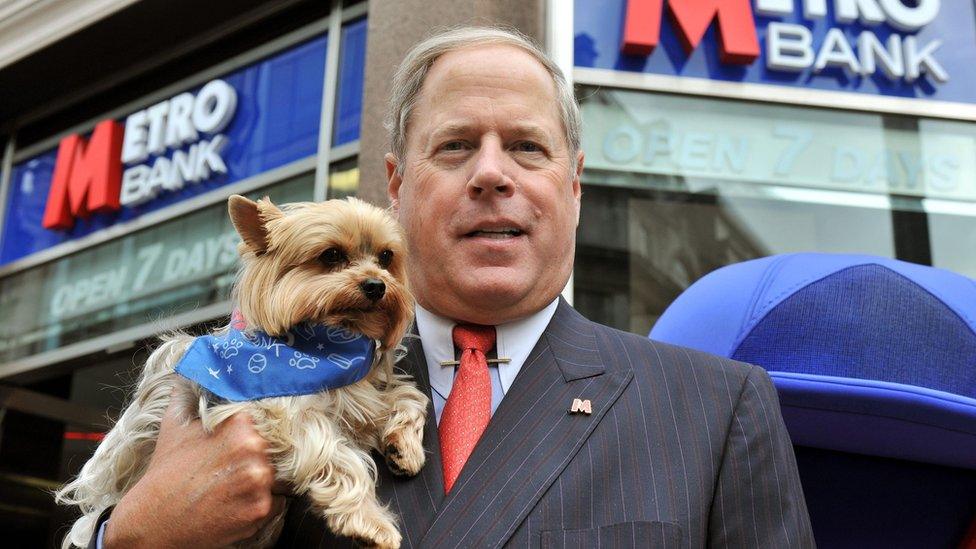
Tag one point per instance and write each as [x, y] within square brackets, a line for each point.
[682, 449]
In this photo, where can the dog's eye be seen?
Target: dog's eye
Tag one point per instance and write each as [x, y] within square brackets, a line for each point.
[385, 258]
[332, 257]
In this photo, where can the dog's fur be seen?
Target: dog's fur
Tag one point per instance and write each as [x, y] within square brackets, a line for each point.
[319, 444]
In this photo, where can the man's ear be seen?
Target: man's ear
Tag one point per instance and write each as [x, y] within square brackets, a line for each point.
[577, 185]
[250, 219]
[393, 182]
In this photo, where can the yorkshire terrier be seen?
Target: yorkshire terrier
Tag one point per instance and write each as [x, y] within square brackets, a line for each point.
[322, 304]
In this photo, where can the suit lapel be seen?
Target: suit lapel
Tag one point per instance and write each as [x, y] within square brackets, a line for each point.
[416, 499]
[530, 439]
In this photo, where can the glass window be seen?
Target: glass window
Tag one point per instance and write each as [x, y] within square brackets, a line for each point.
[344, 178]
[349, 94]
[676, 187]
[177, 266]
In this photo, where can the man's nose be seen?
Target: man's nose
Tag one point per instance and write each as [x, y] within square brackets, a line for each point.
[490, 172]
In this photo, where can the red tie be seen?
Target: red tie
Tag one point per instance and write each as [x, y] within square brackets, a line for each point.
[468, 407]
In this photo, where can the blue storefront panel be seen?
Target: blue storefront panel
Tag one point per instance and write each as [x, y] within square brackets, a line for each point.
[276, 121]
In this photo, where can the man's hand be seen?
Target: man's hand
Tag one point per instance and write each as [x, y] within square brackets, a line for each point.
[199, 490]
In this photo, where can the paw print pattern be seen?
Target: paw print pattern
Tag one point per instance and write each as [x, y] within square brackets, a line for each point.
[230, 348]
[303, 361]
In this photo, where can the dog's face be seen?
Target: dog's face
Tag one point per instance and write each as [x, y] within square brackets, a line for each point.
[339, 262]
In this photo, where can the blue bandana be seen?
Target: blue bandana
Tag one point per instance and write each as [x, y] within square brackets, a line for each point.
[250, 366]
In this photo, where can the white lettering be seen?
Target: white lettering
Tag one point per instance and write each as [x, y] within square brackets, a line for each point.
[134, 140]
[621, 145]
[87, 293]
[871, 51]
[146, 257]
[836, 52]
[659, 143]
[214, 106]
[133, 180]
[848, 164]
[774, 7]
[158, 177]
[201, 257]
[943, 172]
[919, 62]
[695, 149]
[800, 138]
[867, 11]
[157, 127]
[912, 166]
[907, 18]
[790, 47]
[208, 157]
[731, 154]
[174, 265]
[179, 128]
[142, 183]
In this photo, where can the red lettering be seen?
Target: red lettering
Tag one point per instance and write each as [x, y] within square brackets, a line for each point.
[87, 176]
[738, 43]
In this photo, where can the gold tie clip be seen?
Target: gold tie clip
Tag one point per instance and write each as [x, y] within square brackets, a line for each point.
[490, 361]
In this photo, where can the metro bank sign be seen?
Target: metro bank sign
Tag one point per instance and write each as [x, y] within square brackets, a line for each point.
[89, 175]
[167, 149]
[906, 48]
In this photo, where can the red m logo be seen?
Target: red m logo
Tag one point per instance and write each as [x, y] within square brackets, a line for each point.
[691, 18]
[87, 176]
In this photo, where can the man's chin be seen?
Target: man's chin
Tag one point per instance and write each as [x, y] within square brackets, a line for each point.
[499, 300]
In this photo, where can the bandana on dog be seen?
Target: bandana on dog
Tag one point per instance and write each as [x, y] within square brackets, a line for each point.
[250, 366]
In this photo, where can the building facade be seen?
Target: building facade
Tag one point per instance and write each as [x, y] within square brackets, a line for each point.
[761, 127]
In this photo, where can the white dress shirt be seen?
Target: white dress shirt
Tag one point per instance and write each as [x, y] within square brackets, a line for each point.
[514, 340]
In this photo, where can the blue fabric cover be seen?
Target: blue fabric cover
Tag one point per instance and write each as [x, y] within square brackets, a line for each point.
[239, 366]
[869, 354]
[878, 418]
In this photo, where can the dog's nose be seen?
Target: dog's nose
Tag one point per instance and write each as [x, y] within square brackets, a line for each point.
[373, 288]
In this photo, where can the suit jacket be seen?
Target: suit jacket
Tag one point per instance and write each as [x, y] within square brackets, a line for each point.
[682, 449]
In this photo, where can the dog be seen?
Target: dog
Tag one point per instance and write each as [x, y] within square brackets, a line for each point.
[336, 267]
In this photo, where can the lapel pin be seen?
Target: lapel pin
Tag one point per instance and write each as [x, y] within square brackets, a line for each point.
[581, 407]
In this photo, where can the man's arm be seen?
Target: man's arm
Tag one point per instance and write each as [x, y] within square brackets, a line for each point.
[200, 490]
[758, 499]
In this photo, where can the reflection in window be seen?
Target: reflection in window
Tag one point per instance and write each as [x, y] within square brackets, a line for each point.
[676, 187]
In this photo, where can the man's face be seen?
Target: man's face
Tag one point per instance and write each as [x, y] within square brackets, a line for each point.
[489, 195]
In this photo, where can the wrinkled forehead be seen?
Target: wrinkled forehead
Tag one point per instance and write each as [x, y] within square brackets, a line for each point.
[487, 76]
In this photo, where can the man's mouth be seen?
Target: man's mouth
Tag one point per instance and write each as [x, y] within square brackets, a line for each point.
[496, 233]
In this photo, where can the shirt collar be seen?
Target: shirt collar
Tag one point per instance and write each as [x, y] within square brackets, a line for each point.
[515, 340]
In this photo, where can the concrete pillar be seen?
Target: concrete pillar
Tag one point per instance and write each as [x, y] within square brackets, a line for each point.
[394, 27]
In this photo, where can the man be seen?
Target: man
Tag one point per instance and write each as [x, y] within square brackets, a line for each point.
[595, 436]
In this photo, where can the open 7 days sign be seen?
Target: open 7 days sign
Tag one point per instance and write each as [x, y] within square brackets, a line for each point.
[109, 170]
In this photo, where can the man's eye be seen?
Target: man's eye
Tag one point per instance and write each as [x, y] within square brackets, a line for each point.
[452, 146]
[527, 146]
[332, 257]
[385, 258]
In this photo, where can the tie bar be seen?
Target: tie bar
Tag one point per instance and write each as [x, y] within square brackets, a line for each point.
[490, 361]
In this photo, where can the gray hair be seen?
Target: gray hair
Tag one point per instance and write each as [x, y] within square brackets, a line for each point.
[410, 75]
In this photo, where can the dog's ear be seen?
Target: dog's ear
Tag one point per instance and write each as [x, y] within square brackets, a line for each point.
[250, 219]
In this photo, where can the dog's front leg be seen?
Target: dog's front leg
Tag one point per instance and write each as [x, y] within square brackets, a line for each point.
[339, 481]
[402, 435]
